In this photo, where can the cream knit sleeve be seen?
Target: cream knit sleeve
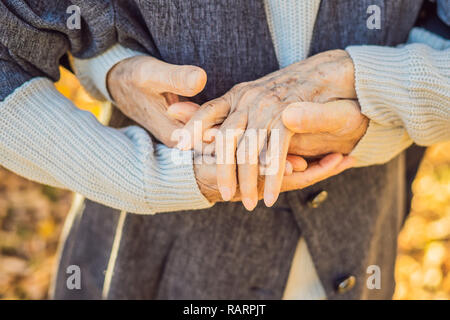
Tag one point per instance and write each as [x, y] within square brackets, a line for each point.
[405, 92]
[44, 137]
[93, 72]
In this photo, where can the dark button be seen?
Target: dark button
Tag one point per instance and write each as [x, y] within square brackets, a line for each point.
[346, 284]
[317, 199]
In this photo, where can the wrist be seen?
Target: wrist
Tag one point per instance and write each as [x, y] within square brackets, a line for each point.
[120, 76]
[206, 183]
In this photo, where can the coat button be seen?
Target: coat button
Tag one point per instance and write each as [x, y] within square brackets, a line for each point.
[317, 199]
[346, 284]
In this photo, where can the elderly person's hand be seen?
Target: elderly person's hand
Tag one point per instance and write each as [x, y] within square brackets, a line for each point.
[206, 170]
[259, 104]
[143, 88]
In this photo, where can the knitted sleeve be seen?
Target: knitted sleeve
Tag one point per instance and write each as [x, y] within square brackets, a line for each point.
[405, 92]
[93, 72]
[45, 138]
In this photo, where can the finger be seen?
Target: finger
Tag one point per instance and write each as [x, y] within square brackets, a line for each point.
[248, 152]
[207, 116]
[184, 80]
[278, 148]
[166, 124]
[210, 134]
[171, 98]
[310, 117]
[167, 137]
[183, 111]
[288, 169]
[316, 172]
[248, 176]
[226, 144]
[347, 163]
[298, 163]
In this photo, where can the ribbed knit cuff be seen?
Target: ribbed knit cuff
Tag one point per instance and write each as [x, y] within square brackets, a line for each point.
[407, 87]
[404, 92]
[92, 72]
[379, 82]
[170, 181]
[381, 75]
[380, 144]
[45, 138]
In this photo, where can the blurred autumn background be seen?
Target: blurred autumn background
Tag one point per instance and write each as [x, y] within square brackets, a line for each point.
[32, 215]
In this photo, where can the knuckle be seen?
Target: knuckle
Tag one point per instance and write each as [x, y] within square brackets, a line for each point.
[244, 92]
[175, 77]
[240, 86]
[218, 108]
[251, 93]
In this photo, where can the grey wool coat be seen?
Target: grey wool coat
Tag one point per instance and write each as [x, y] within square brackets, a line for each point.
[222, 252]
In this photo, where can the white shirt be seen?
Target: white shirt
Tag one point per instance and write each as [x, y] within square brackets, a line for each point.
[291, 25]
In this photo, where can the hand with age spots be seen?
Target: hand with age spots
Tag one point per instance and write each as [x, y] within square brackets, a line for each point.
[143, 89]
[311, 105]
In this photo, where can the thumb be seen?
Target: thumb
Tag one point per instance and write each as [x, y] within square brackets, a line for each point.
[205, 118]
[184, 80]
[311, 117]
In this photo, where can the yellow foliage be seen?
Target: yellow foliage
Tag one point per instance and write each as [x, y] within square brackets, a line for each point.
[70, 87]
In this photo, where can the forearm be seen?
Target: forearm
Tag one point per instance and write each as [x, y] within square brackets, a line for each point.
[44, 137]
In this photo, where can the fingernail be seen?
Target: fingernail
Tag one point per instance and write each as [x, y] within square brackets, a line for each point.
[226, 193]
[249, 203]
[269, 199]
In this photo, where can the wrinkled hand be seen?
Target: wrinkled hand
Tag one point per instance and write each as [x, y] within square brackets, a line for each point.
[259, 105]
[320, 129]
[206, 171]
[144, 87]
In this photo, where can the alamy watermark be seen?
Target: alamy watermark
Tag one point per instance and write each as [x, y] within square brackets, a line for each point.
[74, 20]
[73, 281]
[374, 280]
[374, 20]
[237, 146]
